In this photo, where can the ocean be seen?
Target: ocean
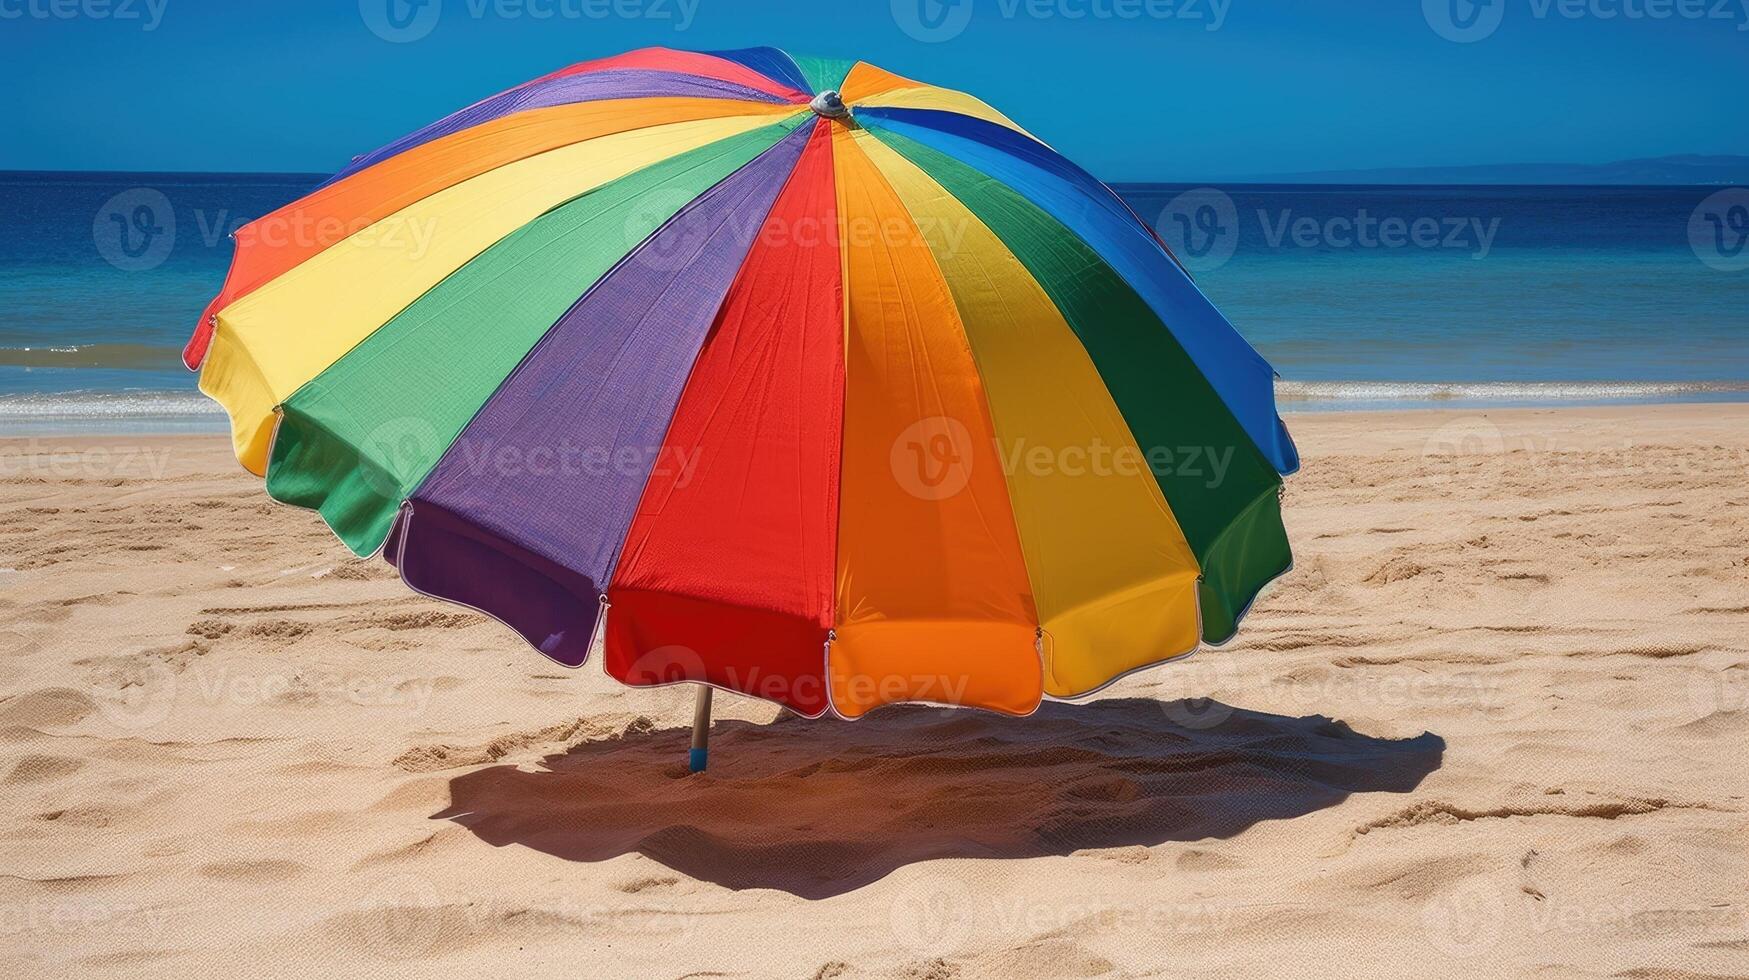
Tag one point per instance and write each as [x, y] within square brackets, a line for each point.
[1362, 297]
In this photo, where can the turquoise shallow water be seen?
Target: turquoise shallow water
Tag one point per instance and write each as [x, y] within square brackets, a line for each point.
[1517, 294]
[1362, 297]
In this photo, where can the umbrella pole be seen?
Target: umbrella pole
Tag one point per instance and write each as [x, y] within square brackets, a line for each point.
[701, 730]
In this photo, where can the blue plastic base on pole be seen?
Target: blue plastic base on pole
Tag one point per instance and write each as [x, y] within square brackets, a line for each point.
[696, 759]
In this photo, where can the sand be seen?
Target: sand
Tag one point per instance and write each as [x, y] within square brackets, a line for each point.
[1493, 724]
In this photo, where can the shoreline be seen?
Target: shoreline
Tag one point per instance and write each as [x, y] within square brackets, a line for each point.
[1360, 421]
[130, 412]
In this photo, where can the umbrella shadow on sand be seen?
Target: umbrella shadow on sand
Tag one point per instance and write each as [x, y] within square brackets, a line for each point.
[822, 808]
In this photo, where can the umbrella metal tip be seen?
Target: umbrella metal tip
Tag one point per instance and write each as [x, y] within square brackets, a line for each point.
[829, 105]
[696, 759]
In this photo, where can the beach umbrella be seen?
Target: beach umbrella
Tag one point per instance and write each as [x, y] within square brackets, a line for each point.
[783, 375]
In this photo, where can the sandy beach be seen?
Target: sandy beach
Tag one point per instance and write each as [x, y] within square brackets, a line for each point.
[1490, 725]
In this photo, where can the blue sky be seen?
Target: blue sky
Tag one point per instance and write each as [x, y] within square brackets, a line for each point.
[1133, 89]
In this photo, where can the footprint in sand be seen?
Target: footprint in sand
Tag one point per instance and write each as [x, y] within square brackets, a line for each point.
[50, 707]
[42, 769]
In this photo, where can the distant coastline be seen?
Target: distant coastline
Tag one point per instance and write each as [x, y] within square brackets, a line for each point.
[1682, 170]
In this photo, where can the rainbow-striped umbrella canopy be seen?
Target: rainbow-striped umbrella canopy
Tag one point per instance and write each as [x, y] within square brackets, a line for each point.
[807, 380]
